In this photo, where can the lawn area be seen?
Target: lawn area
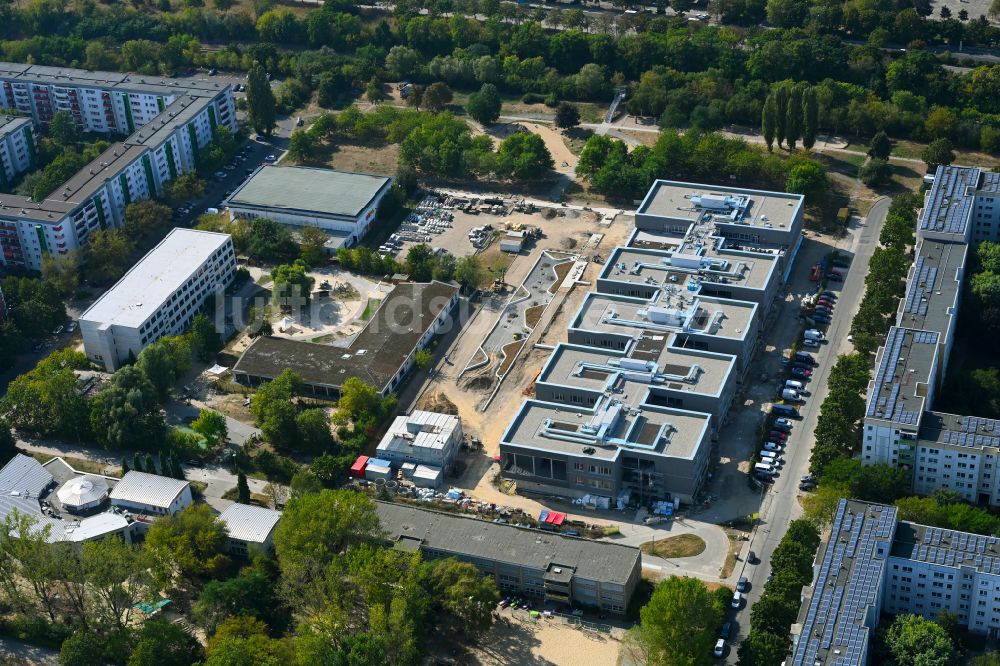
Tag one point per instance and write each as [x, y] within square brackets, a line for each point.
[370, 308]
[494, 263]
[681, 545]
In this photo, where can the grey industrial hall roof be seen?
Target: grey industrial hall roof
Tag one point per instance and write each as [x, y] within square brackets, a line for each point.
[149, 489]
[375, 355]
[834, 624]
[252, 524]
[534, 549]
[308, 190]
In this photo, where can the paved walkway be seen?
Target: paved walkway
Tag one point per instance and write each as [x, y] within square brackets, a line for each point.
[22, 654]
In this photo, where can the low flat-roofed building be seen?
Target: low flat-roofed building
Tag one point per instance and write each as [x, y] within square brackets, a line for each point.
[543, 565]
[712, 324]
[611, 449]
[381, 355]
[249, 528]
[648, 371]
[158, 296]
[423, 438]
[336, 201]
[698, 267]
[151, 494]
[33, 489]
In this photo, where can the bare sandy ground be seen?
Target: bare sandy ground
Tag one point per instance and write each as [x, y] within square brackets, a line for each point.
[547, 642]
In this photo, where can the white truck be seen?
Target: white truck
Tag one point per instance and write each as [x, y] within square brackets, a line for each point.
[813, 334]
[790, 395]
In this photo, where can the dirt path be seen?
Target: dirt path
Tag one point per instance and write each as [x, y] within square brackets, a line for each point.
[563, 157]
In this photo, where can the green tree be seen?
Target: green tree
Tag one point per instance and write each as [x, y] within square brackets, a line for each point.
[292, 285]
[84, 647]
[795, 116]
[937, 152]
[762, 649]
[769, 121]
[206, 339]
[62, 272]
[437, 96]
[125, 413]
[301, 146]
[161, 643]
[358, 399]
[313, 426]
[244, 642]
[881, 146]
[146, 216]
[422, 358]
[875, 171]
[62, 130]
[679, 624]
[242, 489]
[106, 255]
[250, 594]
[807, 178]
[318, 527]
[118, 575]
[914, 640]
[157, 363]
[469, 272]
[46, 400]
[484, 106]
[211, 425]
[465, 593]
[312, 246]
[810, 117]
[524, 157]
[190, 543]
[567, 115]
[261, 105]
[305, 481]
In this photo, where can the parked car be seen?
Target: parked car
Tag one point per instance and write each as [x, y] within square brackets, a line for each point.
[822, 319]
[743, 585]
[727, 628]
[804, 357]
[271, 158]
[58, 329]
[834, 277]
[810, 343]
[808, 477]
[737, 599]
[194, 463]
[71, 326]
[806, 486]
[771, 446]
[802, 372]
[782, 424]
[828, 294]
[777, 435]
[720, 646]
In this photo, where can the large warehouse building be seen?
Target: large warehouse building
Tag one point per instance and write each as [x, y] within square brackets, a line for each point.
[168, 123]
[628, 409]
[343, 204]
[159, 296]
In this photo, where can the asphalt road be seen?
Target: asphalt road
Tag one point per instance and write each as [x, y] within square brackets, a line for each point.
[781, 503]
[17, 652]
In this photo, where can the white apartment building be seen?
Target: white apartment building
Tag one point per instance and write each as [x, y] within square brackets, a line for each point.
[159, 296]
[17, 147]
[168, 121]
[941, 450]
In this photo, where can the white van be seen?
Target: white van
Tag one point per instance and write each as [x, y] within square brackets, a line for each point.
[792, 384]
[767, 468]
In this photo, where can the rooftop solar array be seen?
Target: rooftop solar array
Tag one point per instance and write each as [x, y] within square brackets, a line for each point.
[948, 207]
[991, 182]
[885, 399]
[921, 286]
[835, 631]
[945, 547]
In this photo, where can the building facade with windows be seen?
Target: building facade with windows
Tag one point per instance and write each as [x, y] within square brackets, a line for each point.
[873, 563]
[17, 148]
[545, 566]
[901, 426]
[630, 407]
[249, 528]
[167, 123]
[158, 297]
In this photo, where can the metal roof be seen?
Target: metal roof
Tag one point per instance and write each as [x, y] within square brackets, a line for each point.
[309, 190]
[148, 489]
[252, 524]
[518, 546]
[24, 476]
[419, 430]
[83, 491]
